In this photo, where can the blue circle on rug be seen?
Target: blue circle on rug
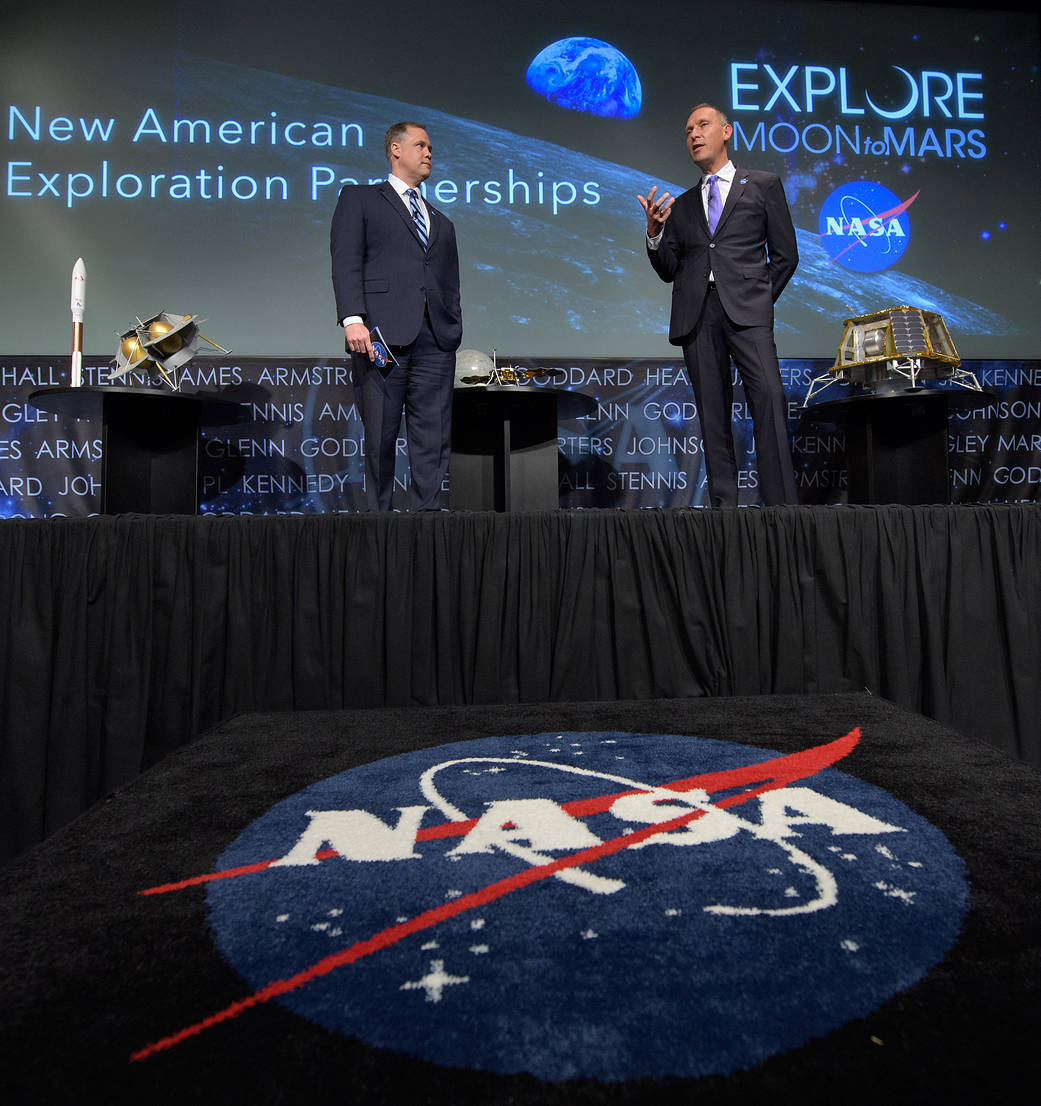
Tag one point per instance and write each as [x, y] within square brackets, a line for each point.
[587, 905]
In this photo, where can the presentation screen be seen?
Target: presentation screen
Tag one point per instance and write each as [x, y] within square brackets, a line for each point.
[191, 154]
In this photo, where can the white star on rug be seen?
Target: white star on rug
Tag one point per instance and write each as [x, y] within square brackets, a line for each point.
[435, 981]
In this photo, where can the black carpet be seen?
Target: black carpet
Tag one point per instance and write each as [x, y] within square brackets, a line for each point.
[99, 981]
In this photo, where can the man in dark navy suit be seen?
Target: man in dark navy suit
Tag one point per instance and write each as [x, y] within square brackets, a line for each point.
[728, 248]
[395, 266]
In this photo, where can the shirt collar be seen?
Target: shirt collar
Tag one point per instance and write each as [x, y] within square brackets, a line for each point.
[401, 187]
[727, 173]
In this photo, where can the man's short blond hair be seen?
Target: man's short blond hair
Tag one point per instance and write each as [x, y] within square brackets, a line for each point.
[396, 133]
[723, 120]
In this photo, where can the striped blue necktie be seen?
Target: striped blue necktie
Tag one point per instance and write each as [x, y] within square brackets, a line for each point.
[417, 215]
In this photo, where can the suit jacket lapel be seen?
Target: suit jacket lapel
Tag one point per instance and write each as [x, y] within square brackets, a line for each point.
[435, 221]
[397, 205]
[699, 207]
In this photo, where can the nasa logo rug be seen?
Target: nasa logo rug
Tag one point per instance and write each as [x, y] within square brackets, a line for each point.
[586, 905]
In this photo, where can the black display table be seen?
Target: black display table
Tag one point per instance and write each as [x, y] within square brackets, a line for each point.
[896, 444]
[504, 446]
[150, 442]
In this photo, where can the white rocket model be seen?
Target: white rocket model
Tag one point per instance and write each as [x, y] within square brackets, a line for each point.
[79, 299]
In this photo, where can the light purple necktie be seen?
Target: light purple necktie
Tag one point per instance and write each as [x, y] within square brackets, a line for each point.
[715, 204]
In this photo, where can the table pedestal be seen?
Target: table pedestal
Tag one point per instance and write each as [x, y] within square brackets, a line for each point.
[150, 443]
[896, 445]
[504, 446]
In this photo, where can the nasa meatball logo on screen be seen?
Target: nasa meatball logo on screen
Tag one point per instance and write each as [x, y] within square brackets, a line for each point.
[865, 227]
[591, 905]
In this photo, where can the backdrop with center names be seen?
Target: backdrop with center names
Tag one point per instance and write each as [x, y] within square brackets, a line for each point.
[299, 445]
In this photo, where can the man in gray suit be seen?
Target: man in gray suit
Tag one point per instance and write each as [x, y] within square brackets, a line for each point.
[395, 266]
[728, 248]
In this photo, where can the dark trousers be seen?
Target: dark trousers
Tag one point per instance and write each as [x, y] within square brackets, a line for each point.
[421, 387]
[707, 353]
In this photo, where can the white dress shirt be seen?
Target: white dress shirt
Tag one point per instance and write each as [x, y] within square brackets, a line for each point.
[401, 188]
